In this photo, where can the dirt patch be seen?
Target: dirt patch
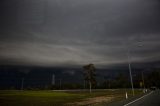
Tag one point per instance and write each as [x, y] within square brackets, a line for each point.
[90, 101]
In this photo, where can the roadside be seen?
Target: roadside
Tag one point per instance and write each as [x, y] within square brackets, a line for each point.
[110, 99]
[124, 101]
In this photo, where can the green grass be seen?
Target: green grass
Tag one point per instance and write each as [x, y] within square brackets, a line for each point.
[52, 98]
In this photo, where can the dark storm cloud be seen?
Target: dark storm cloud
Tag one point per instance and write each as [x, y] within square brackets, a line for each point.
[76, 32]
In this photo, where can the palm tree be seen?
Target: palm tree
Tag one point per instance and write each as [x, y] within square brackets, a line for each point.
[89, 74]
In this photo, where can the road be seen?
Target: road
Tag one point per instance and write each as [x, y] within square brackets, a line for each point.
[152, 99]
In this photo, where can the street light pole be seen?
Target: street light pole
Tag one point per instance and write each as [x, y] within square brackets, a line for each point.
[130, 72]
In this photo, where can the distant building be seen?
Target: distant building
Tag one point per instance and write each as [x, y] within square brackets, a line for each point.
[53, 79]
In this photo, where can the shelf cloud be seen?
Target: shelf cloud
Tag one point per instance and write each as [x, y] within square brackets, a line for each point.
[78, 32]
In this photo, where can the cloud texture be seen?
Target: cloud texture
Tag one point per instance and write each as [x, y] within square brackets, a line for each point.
[77, 32]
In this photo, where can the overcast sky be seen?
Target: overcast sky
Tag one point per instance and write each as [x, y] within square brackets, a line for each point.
[78, 32]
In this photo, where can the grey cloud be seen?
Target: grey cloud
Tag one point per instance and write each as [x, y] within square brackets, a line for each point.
[76, 32]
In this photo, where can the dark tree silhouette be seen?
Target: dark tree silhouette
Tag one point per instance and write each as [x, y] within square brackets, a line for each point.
[153, 79]
[89, 75]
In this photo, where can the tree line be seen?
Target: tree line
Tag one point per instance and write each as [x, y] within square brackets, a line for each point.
[90, 81]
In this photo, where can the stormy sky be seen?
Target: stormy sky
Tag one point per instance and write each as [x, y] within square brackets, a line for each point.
[77, 32]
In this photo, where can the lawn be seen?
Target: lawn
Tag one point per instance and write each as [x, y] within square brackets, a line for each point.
[56, 98]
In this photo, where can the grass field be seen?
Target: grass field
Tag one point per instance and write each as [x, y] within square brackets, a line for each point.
[56, 98]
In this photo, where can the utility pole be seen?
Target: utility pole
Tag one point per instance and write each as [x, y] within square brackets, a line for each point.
[53, 79]
[130, 72]
[84, 84]
[60, 83]
[143, 80]
[22, 83]
[109, 83]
